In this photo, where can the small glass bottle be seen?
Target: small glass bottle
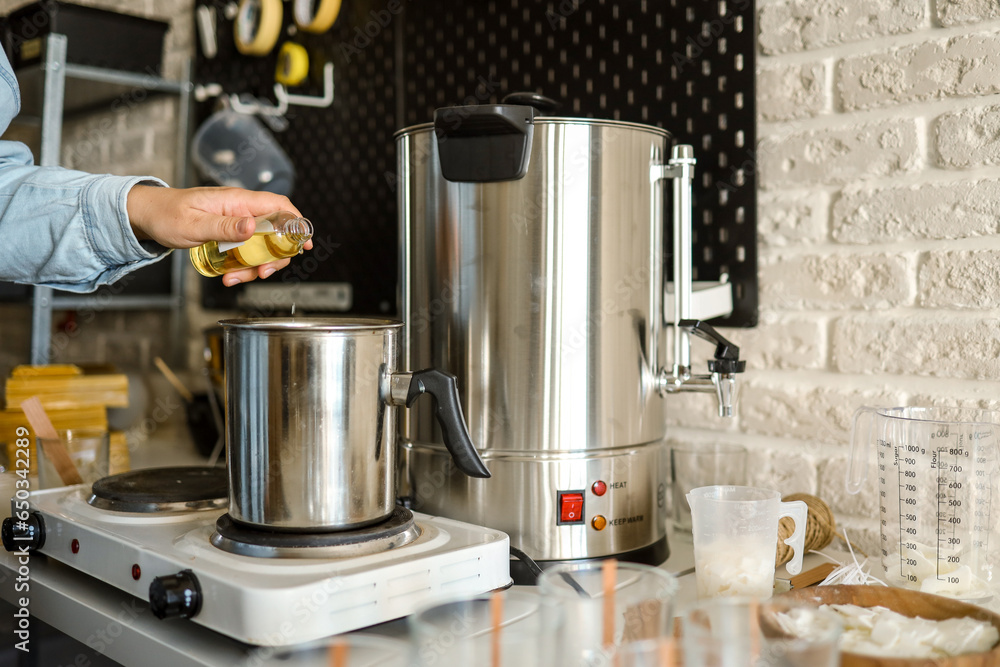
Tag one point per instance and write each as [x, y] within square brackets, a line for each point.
[277, 235]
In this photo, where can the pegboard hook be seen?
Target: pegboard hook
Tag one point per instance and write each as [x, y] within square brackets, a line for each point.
[285, 99]
[242, 103]
[249, 104]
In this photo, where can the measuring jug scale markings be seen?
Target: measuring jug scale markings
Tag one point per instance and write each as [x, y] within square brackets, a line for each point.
[936, 471]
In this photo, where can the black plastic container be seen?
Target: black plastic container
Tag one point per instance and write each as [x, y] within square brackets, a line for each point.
[96, 37]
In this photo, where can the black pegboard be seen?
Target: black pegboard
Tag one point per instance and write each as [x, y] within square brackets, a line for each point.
[684, 65]
[341, 154]
[713, 107]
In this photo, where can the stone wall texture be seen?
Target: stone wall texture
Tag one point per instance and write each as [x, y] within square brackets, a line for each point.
[879, 234]
[133, 134]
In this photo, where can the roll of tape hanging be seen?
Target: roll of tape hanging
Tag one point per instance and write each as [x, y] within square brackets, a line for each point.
[257, 26]
[293, 64]
[315, 19]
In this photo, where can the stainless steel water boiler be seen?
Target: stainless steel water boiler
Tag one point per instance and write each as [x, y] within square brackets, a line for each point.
[532, 268]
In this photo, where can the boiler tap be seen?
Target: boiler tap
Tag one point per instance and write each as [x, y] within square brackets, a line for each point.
[721, 378]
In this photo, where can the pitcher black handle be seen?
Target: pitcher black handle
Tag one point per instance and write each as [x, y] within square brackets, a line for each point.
[443, 388]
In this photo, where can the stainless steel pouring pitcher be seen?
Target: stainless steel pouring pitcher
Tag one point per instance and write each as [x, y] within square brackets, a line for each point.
[311, 424]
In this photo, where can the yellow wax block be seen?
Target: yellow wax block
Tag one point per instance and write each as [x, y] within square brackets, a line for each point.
[63, 392]
[118, 455]
[48, 369]
[85, 417]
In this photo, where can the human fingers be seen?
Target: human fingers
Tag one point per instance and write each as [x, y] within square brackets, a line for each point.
[265, 270]
[247, 275]
[241, 276]
[210, 227]
[236, 201]
[268, 202]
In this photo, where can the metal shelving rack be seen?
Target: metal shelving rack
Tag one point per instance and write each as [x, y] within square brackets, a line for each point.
[68, 87]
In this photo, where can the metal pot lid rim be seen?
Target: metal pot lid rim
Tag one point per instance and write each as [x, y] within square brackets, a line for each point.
[556, 120]
[312, 323]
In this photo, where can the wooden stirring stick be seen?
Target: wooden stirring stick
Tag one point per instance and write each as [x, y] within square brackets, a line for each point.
[338, 654]
[49, 438]
[496, 607]
[755, 634]
[174, 380]
[813, 576]
[667, 653]
[609, 577]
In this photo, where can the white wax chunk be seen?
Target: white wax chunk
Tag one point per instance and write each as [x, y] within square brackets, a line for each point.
[942, 572]
[880, 632]
[734, 567]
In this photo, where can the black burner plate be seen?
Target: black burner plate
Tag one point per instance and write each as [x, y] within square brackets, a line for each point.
[398, 522]
[164, 485]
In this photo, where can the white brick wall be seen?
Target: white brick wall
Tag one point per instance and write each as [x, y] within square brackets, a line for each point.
[836, 281]
[962, 66]
[968, 137]
[840, 155]
[879, 234]
[952, 210]
[958, 12]
[792, 217]
[792, 91]
[806, 25]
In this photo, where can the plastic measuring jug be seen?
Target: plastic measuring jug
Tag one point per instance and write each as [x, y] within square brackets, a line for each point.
[937, 472]
[735, 531]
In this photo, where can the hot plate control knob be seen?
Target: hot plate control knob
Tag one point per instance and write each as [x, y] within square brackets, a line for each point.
[175, 595]
[27, 535]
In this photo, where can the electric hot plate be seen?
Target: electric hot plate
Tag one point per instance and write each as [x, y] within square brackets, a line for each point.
[162, 490]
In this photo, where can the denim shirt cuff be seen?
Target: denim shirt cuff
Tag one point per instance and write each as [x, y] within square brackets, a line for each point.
[115, 244]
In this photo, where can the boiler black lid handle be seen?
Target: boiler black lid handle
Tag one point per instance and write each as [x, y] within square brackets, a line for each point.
[545, 105]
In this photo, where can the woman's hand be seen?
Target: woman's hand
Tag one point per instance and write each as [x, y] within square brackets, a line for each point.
[185, 218]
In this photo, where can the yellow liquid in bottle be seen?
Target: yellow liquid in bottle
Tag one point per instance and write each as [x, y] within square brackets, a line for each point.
[262, 247]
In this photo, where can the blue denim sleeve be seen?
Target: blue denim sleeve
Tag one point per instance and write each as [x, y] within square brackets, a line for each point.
[59, 227]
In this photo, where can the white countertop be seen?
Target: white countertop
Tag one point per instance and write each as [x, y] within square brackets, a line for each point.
[96, 613]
